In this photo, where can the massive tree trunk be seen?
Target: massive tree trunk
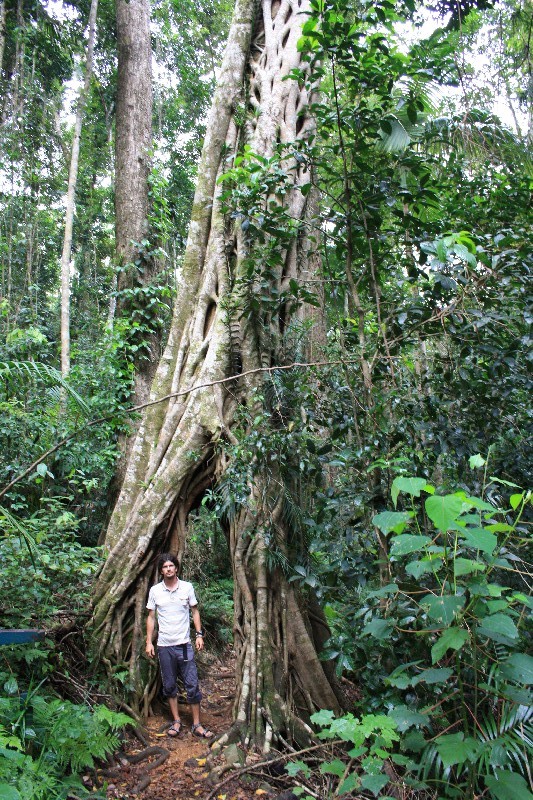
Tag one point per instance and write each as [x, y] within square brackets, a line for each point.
[178, 451]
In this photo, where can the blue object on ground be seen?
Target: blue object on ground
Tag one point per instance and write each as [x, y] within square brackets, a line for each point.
[20, 636]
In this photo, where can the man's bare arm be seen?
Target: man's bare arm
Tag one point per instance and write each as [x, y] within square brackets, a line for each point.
[150, 625]
[198, 627]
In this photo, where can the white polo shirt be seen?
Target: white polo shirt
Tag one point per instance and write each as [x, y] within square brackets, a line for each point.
[172, 609]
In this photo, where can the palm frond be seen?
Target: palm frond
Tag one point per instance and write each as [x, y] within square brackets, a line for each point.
[11, 523]
[507, 739]
[397, 138]
[45, 373]
[478, 134]
[400, 129]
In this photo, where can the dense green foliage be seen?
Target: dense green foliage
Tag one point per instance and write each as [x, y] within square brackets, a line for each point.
[424, 209]
[52, 517]
[441, 650]
[425, 274]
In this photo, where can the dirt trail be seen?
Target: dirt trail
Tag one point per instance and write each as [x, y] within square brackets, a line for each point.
[184, 774]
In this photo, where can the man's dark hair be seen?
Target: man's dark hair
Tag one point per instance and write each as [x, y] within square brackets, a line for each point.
[164, 557]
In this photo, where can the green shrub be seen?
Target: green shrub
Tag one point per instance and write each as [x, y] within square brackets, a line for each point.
[462, 699]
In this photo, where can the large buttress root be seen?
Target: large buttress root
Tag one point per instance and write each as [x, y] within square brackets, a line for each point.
[177, 452]
[282, 681]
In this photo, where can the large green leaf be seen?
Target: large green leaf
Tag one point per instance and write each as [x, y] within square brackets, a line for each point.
[374, 783]
[505, 785]
[432, 676]
[445, 510]
[349, 784]
[466, 566]
[516, 499]
[400, 677]
[378, 628]
[456, 748]
[408, 543]
[8, 792]
[519, 668]
[323, 717]
[336, 767]
[406, 717]
[443, 608]
[476, 461]
[452, 639]
[294, 767]
[498, 627]
[480, 539]
[412, 486]
[418, 568]
[384, 591]
[388, 521]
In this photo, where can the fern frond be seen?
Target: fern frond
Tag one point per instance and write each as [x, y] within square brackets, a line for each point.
[76, 736]
[115, 719]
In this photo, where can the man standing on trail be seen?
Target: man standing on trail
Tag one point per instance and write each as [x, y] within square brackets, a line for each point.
[172, 599]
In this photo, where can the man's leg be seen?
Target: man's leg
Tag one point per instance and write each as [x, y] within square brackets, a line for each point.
[189, 675]
[169, 670]
[173, 703]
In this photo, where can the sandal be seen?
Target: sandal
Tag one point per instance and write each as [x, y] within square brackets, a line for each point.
[200, 732]
[175, 729]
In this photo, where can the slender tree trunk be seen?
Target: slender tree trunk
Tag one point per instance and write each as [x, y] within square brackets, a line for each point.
[133, 142]
[71, 191]
[178, 451]
[133, 126]
[2, 33]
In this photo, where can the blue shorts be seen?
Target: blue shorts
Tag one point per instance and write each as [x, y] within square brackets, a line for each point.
[179, 660]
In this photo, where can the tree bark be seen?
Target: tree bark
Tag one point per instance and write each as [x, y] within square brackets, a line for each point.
[133, 143]
[2, 34]
[71, 191]
[133, 125]
[178, 451]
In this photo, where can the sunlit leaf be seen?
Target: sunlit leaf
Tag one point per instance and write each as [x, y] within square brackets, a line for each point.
[388, 521]
[411, 486]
